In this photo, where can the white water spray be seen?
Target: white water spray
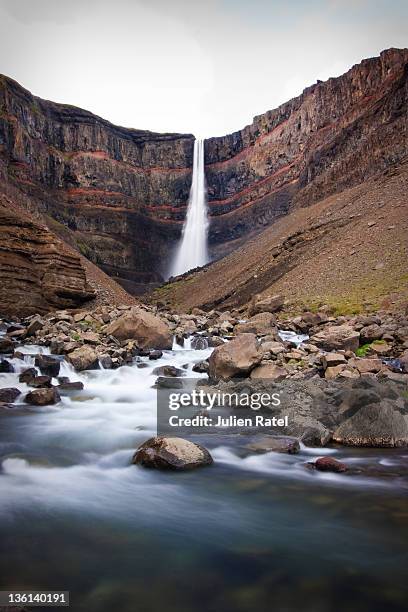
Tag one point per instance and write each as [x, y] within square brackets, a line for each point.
[192, 251]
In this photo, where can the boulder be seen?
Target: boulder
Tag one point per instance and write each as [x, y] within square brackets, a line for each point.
[40, 381]
[9, 395]
[371, 333]
[329, 464]
[272, 303]
[6, 367]
[154, 355]
[235, 358]
[84, 358]
[262, 324]
[27, 376]
[148, 330]
[201, 367]
[378, 424]
[34, 326]
[77, 385]
[171, 454]
[49, 366]
[277, 444]
[365, 366]
[337, 337]
[6, 345]
[169, 370]
[273, 347]
[42, 397]
[269, 371]
[333, 359]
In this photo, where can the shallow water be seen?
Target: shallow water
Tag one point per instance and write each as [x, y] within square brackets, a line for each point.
[252, 532]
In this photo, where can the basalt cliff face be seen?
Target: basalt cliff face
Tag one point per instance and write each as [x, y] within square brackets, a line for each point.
[333, 136]
[119, 195]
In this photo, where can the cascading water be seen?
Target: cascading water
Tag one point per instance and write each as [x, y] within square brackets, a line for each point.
[192, 251]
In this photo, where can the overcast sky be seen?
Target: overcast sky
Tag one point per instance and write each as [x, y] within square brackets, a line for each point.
[205, 67]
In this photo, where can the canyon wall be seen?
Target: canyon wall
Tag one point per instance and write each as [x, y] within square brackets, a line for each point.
[333, 136]
[120, 192]
[119, 195]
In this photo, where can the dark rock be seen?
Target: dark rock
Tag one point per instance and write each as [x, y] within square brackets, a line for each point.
[42, 397]
[6, 367]
[329, 464]
[199, 343]
[201, 367]
[168, 370]
[277, 444]
[6, 345]
[155, 355]
[380, 424]
[40, 381]
[71, 386]
[171, 454]
[50, 366]
[9, 395]
[28, 375]
[169, 383]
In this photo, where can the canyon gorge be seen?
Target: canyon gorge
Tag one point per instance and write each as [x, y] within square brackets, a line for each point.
[118, 196]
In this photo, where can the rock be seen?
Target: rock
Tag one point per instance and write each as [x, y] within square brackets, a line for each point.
[201, 367]
[34, 326]
[9, 394]
[269, 371]
[329, 464]
[199, 343]
[334, 371]
[271, 346]
[370, 333]
[155, 355]
[84, 358]
[91, 337]
[216, 341]
[105, 362]
[379, 424]
[27, 375]
[6, 345]
[234, 358]
[277, 444]
[170, 382]
[42, 397]
[148, 330]
[269, 304]
[40, 381]
[380, 348]
[262, 324]
[333, 359]
[171, 454]
[48, 365]
[70, 386]
[168, 370]
[337, 337]
[366, 365]
[6, 367]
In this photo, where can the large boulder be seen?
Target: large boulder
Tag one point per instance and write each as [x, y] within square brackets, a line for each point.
[262, 324]
[171, 454]
[337, 337]
[49, 366]
[272, 303]
[42, 397]
[235, 358]
[148, 330]
[84, 358]
[6, 345]
[378, 424]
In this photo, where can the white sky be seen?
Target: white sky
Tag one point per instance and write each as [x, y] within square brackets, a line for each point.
[202, 67]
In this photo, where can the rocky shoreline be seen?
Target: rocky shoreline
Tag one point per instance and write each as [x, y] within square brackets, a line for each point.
[342, 379]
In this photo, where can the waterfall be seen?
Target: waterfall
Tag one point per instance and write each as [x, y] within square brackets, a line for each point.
[192, 251]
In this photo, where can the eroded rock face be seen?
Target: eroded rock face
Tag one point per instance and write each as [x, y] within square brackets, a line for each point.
[171, 454]
[37, 272]
[235, 358]
[148, 330]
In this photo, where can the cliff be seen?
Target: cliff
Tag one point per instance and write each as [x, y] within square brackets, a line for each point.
[119, 195]
[333, 136]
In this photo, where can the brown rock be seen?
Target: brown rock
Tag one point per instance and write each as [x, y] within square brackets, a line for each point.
[6, 345]
[9, 395]
[148, 330]
[84, 358]
[269, 304]
[261, 324]
[337, 337]
[333, 359]
[171, 454]
[234, 358]
[42, 397]
[269, 371]
[277, 444]
[329, 464]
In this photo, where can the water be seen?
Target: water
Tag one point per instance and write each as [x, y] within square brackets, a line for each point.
[192, 251]
[252, 532]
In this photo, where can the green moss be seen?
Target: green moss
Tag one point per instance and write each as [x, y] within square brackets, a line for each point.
[76, 337]
[363, 350]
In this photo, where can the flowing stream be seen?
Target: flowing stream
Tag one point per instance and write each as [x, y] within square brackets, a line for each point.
[252, 532]
[192, 251]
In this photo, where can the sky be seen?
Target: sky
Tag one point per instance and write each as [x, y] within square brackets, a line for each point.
[205, 67]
